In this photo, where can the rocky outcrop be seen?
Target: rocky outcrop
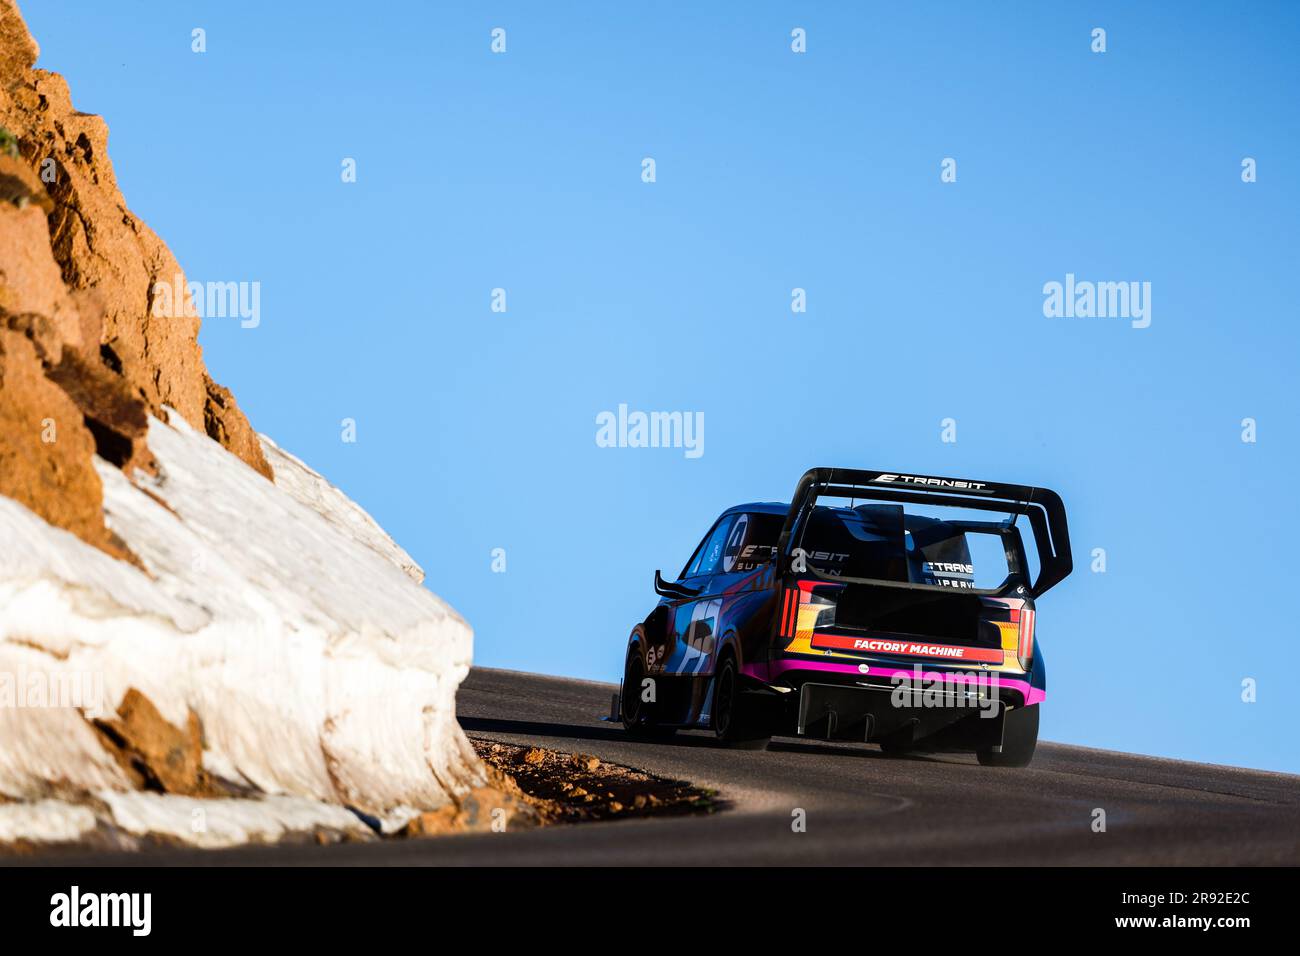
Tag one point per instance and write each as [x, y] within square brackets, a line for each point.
[201, 639]
[46, 452]
[273, 641]
[77, 277]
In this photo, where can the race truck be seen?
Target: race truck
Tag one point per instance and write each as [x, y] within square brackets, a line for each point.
[881, 607]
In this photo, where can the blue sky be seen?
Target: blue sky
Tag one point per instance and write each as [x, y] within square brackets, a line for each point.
[775, 170]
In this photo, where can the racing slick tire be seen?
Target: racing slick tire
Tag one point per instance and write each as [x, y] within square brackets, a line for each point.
[895, 748]
[638, 720]
[735, 722]
[1019, 738]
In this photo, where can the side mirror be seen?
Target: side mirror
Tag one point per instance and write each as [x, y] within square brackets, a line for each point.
[672, 589]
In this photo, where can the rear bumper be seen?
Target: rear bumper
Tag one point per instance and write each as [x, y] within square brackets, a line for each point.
[845, 712]
[944, 707]
[1014, 691]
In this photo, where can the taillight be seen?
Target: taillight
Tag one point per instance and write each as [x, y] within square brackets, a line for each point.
[1024, 618]
[789, 612]
[793, 599]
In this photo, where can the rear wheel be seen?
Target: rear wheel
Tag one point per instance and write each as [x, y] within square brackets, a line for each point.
[1019, 738]
[638, 717]
[734, 719]
[899, 743]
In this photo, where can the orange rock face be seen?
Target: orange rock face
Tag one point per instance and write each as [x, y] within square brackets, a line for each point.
[153, 753]
[45, 450]
[82, 358]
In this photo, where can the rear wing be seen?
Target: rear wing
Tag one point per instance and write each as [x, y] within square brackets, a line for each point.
[1043, 508]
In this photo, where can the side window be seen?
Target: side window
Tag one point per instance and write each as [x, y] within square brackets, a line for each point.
[709, 556]
[752, 542]
[735, 542]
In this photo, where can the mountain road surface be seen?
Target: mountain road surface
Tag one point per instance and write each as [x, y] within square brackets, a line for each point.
[859, 806]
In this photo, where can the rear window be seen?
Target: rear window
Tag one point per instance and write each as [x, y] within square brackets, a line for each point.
[862, 542]
[886, 543]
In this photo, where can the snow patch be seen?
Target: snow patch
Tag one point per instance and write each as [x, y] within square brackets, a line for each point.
[222, 823]
[280, 614]
[314, 491]
[45, 821]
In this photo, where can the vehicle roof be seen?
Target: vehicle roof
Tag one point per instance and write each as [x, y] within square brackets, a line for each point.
[760, 508]
[764, 508]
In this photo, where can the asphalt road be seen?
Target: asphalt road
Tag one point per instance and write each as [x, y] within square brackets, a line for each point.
[860, 806]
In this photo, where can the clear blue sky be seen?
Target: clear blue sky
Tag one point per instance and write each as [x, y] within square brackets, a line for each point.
[476, 430]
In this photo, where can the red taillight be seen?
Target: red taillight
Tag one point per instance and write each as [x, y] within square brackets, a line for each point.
[790, 612]
[793, 598]
[1025, 647]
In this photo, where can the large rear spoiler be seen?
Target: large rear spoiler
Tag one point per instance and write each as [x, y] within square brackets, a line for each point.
[1043, 507]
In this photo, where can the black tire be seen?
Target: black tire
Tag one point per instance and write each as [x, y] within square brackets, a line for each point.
[899, 743]
[638, 718]
[1019, 738]
[734, 722]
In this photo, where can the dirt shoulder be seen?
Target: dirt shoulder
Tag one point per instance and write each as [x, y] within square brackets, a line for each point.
[575, 788]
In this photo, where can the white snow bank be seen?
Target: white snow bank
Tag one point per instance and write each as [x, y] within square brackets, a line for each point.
[280, 614]
[222, 823]
[45, 821]
[202, 823]
[312, 490]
